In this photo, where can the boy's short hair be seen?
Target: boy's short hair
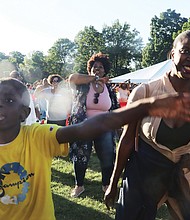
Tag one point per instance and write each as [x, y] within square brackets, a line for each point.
[19, 87]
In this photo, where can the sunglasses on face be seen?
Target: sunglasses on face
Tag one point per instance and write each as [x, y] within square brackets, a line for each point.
[184, 51]
[55, 81]
[96, 96]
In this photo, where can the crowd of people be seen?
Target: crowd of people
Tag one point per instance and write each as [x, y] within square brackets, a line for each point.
[60, 117]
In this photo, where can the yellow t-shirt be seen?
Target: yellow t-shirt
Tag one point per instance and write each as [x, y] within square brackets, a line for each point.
[25, 173]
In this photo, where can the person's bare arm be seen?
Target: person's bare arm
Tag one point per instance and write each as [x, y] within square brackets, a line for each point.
[78, 79]
[125, 147]
[176, 106]
[101, 123]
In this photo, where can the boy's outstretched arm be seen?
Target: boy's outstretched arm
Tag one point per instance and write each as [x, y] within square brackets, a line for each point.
[165, 106]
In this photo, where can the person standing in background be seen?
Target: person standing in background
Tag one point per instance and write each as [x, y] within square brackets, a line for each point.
[93, 96]
[123, 94]
[41, 101]
[58, 98]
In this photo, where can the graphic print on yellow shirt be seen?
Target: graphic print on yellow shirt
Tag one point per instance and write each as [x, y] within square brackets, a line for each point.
[14, 177]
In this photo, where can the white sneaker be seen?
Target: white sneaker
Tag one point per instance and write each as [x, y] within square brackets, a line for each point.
[77, 191]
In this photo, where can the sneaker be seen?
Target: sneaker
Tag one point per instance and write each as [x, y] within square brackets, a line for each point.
[77, 191]
[104, 188]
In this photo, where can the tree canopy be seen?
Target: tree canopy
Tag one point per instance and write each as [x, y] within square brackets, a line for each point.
[161, 37]
[123, 46]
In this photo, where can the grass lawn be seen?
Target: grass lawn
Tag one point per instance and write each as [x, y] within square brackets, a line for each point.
[89, 206]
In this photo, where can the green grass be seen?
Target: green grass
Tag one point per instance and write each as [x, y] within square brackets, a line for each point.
[89, 206]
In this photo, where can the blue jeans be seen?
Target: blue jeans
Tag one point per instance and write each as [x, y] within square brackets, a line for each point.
[105, 149]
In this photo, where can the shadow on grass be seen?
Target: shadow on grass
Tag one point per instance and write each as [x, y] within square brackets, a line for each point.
[64, 178]
[67, 179]
[65, 209]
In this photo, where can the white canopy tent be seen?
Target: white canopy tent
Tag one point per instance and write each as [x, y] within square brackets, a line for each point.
[146, 74]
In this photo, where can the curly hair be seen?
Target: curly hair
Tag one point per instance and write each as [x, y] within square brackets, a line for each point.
[52, 76]
[100, 57]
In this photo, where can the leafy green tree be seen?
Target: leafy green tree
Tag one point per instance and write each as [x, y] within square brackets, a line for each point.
[161, 37]
[60, 56]
[123, 46]
[34, 67]
[16, 58]
[185, 27]
[88, 42]
[38, 60]
[6, 67]
[3, 56]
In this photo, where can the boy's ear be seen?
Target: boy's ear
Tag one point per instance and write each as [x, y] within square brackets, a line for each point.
[172, 54]
[25, 111]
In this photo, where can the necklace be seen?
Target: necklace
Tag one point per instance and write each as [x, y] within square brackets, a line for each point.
[98, 85]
